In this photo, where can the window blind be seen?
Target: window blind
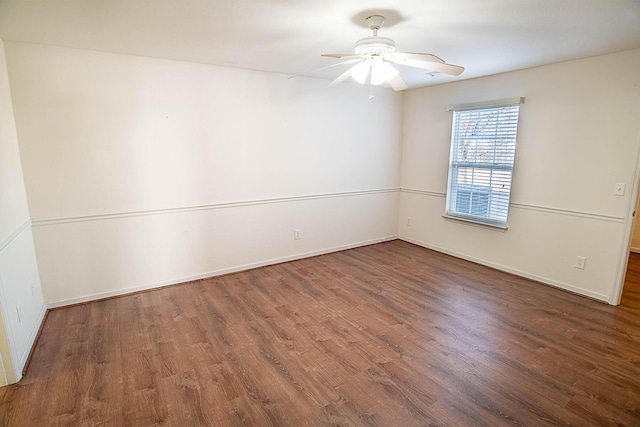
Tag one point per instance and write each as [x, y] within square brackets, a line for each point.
[483, 146]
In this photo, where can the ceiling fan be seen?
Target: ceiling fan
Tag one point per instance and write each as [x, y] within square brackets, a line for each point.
[374, 54]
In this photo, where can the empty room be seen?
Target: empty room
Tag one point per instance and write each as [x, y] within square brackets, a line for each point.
[319, 213]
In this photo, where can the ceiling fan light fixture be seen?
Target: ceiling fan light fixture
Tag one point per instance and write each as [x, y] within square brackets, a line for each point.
[360, 72]
[382, 72]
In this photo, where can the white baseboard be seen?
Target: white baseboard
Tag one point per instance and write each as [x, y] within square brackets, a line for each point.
[220, 272]
[545, 280]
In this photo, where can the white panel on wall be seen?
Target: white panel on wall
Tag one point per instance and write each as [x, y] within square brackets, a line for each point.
[143, 172]
[541, 245]
[21, 296]
[112, 256]
[578, 136]
[119, 133]
[21, 303]
[13, 202]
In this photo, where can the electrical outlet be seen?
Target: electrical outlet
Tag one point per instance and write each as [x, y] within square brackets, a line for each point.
[296, 234]
[619, 189]
[408, 222]
[580, 262]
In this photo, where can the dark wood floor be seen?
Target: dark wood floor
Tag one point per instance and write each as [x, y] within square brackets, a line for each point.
[384, 335]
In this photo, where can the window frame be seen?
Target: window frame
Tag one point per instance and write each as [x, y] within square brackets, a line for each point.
[475, 191]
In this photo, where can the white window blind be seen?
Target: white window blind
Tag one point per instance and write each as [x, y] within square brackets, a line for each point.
[483, 147]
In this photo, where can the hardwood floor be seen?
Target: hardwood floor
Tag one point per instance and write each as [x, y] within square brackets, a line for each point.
[385, 335]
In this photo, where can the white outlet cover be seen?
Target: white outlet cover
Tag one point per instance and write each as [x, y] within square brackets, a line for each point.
[619, 189]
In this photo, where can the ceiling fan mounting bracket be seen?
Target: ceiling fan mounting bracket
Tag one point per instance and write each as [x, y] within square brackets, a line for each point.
[374, 22]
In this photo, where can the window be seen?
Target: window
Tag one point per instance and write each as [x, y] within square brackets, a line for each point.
[483, 147]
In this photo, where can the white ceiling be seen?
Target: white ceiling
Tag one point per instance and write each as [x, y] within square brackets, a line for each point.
[288, 36]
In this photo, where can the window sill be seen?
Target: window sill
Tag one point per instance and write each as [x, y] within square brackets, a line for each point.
[476, 223]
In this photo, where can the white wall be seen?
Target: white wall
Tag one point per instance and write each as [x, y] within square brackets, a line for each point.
[142, 172]
[19, 280]
[578, 136]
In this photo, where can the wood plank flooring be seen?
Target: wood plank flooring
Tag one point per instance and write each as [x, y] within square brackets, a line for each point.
[385, 335]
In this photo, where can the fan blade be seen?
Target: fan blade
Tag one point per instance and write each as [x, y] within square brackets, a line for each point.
[425, 62]
[342, 77]
[351, 61]
[397, 83]
[341, 55]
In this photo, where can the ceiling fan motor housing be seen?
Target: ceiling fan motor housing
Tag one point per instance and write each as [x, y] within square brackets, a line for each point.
[374, 45]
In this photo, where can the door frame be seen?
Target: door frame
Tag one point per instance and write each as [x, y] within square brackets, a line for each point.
[629, 223]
